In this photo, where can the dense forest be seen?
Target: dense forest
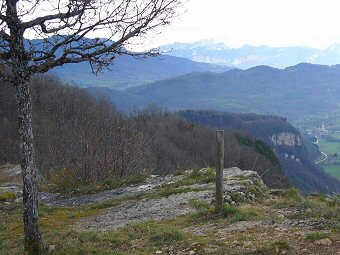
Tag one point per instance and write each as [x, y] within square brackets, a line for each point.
[81, 139]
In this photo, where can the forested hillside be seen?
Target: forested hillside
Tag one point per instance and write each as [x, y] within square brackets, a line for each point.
[293, 92]
[82, 140]
[295, 153]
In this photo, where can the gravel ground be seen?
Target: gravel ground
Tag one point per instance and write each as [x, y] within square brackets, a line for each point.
[144, 210]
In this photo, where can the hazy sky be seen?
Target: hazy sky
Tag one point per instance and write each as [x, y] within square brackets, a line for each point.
[314, 23]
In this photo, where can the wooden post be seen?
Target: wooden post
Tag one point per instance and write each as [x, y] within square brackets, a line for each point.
[219, 169]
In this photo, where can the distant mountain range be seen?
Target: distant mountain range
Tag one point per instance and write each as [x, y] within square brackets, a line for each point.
[249, 56]
[128, 71]
[292, 92]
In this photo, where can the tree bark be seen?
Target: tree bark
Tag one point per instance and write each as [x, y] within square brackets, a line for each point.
[33, 241]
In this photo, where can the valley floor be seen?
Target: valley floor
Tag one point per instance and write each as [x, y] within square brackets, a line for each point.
[331, 162]
[175, 215]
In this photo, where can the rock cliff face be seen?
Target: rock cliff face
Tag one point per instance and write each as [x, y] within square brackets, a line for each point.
[291, 141]
[286, 138]
[302, 172]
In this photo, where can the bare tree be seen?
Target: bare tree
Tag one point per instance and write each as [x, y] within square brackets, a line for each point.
[62, 28]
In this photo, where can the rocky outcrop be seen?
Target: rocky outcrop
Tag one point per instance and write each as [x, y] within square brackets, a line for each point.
[239, 186]
[286, 138]
[154, 204]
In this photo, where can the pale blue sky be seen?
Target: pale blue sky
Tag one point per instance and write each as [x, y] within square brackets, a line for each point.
[314, 23]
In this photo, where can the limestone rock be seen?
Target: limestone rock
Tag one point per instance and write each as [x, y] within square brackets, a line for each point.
[52, 247]
[286, 138]
[239, 186]
[324, 242]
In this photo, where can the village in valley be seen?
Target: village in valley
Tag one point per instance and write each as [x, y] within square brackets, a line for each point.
[324, 132]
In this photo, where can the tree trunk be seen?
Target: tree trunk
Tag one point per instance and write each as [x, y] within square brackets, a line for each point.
[33, 241]
[20, 74]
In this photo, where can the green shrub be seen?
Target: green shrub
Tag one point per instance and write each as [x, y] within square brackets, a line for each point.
[7, 196]
[314, 236]
[294, 194]
[292, 198]
[235, 214]
[166, 237]
[199, 204]
[229, 213]
[258, 191]
[275, 247]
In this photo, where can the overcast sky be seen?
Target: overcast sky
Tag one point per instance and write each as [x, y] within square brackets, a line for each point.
[314, 23]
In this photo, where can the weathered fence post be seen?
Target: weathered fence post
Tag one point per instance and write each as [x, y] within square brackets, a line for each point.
[219, 169]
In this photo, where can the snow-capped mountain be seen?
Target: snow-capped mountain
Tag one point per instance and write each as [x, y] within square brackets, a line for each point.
[247, 56]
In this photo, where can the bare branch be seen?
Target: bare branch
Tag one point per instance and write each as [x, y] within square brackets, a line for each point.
[65, 30]
[60, 16]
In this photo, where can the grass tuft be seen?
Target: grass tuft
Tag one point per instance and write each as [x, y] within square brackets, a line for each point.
[275, 247]
[314, 236]
[229, 213]
[199, 176]
[166, 237]
[7, 196]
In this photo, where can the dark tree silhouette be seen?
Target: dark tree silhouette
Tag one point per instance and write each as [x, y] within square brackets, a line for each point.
[61, 28]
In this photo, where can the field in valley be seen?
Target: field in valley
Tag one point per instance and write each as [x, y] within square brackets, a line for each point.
[332, 164]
